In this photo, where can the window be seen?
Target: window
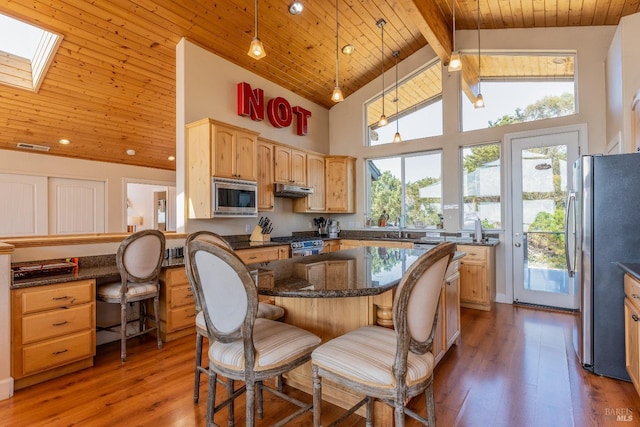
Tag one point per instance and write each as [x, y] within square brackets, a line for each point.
[419, 108]
[27, 52]
[517, 88]
[481, 185]
[405, 190]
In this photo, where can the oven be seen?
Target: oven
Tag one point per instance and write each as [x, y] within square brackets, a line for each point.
[234, 198]
[307, 247]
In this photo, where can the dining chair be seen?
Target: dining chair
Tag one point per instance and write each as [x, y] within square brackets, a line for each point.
[139, 260]
[267, 311]
[243, 347]
[391, 365]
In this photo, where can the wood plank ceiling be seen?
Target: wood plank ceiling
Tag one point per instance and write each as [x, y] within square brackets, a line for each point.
[111, 86]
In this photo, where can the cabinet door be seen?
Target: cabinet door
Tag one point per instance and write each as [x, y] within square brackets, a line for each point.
[76, 206]
[452, 305]
[472, 282]
[298, 167]
[340, 184]
[315, 179]
[632, 342]
[282, 164]
[199, 168]
[317, 275]
[245, 156]
[439, 339]
[265, 176]
[224, 158]
[28, 213]
[339, 272]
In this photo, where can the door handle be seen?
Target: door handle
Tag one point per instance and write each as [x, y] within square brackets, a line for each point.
[517, 245]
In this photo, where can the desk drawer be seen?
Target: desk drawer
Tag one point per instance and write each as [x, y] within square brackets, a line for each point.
[55, 323]
[252, 256]
[181, 317]
[474, 253]
[55, 296]
[57, 352]
[181, 296]
[173, 276]
[632, 290]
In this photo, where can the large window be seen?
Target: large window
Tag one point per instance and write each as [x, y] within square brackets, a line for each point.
[517, 88]
[481, 185]
[419, 108]
[405, 190]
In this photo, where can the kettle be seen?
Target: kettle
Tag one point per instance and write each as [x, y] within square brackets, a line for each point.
[334, 229]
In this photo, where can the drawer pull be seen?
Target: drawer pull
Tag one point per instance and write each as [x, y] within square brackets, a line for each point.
[192, 315]
[636, 296]
[55, 353]
[60, 323]
[253, 257]
[634, 317]
[60, 298]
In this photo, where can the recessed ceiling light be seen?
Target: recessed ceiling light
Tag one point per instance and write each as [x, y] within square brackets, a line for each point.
[348, 49]
[64, 141]
[171, 158]
[131, 152]
[296, 7]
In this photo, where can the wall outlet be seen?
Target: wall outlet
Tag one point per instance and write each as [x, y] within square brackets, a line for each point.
[310, 225]
[247, 228]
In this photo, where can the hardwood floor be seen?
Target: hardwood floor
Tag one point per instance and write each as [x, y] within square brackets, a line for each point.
[515, 367]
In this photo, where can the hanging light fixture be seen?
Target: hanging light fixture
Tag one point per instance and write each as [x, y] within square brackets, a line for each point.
[455, 63]
[256, 50]
[336, 96]
[479, 99]
[396, 137]
[383, 119]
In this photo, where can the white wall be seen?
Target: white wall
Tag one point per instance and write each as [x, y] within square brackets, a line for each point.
[347, 119]
[112, 174]
[206, 87]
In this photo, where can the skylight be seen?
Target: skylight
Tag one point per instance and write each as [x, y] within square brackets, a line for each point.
[26, 52]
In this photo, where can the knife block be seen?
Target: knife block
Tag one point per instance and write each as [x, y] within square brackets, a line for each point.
[257, 236]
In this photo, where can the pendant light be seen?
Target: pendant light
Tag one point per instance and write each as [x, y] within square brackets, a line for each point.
[383, 119]
[455, 63]
[479, 99]
[396, 137]
[336, 96]
[256, 50]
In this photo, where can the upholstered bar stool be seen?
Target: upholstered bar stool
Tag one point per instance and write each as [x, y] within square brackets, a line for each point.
[390, 365]
[139, 259]
[243, 347]
[265, 311]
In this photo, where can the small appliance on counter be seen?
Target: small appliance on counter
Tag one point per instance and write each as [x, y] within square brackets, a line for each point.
[334, 229]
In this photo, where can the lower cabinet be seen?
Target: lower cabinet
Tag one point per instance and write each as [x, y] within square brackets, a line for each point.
[448, 326]
[632, 329]
[324, 274]
[53, 331]
[177, 304]
[477, 277]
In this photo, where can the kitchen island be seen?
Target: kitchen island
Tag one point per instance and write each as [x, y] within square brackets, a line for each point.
[336, 292]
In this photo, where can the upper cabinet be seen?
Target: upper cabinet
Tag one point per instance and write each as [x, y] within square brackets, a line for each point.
[315, 202]
[290, 165]
[216, 149]
[265, 176]
[340, 184]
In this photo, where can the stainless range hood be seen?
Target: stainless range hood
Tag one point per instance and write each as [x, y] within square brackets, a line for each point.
[291, 191]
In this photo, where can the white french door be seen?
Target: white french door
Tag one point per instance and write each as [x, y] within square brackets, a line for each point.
[541, 175]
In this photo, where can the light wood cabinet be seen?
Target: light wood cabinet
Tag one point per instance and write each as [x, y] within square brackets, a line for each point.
[216, 149]
[265, 176]
[349, 244]
[290, 165]
[315, 202]
[477, 277]
[53, 331]
[177, 305]
[331, 245]
[263, 254]
[448, 326]
[324, 274]
[632, 329]
[340, 184]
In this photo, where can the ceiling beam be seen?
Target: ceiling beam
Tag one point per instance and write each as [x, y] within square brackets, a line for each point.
[436, 30]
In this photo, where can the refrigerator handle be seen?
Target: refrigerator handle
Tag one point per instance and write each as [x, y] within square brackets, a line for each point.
[571, 201]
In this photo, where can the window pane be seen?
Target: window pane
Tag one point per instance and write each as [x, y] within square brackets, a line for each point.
[419, 107]
[481, 185]
[518, 88]
[385, 188]
[423, 199]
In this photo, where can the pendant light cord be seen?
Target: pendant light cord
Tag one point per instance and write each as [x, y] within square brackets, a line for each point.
[382, 23]
[337, 43]
[479, 61]
[256, 19]
[453, 6]
[396, 54]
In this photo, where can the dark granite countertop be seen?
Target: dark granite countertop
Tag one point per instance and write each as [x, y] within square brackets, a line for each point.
[366, 271]
[631, 268]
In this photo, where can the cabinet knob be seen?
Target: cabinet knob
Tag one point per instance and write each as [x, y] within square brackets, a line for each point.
[634, 317]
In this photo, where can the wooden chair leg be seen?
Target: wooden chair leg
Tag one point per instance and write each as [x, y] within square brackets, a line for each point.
[250, 403]
[123, 331]
[156, 306]
[317, 396]
[211, 397]
[369, 422]
[431, 405]
[231, 414]
[196, 384]
[260, 400]
[399, 413]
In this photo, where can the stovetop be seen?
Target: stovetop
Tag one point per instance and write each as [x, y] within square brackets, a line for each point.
[292, 239]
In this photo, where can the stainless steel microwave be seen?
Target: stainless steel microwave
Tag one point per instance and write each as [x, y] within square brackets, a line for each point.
[234, 198]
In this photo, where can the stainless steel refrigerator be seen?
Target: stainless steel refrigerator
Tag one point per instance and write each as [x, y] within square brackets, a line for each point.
[603, 227]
